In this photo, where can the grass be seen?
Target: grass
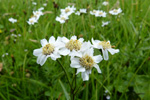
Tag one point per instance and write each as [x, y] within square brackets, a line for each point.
[125, 75]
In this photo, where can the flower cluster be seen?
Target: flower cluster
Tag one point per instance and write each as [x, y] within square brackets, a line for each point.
[12, 20]
[81, 53]
[36, 15]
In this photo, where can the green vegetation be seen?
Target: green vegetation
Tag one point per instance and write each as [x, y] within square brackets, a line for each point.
[126, 75]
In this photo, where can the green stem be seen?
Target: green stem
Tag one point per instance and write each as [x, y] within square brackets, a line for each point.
[65, 73]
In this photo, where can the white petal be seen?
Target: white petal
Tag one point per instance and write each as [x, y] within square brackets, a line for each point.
[74, 37]
[85, 46]
[81, 69]
[97, 58]
[81, 40]
[53, 57]
[89, 71]
[52, 39]
[113, 51]
[64, 51]
[39, 59]
[65, 40]
[95, 43]
[75, 61]
[105, 54]
[97, 67]
[85, 76]
[75, 53]
[37, 52]
[43, 42]
[43, 60]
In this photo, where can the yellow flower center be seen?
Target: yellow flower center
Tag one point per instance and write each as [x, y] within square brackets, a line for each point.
[105, 45]
[48, 49]
[73, 45]
[62, 18]
[100, 13]
[67, 10]
[115, 10]
[87, 62]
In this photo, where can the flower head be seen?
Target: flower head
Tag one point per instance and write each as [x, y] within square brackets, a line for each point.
[77, 13]
[37, 14]
[85, 63]
[62, 18]
[49, 49]
[105, 23]
[100, 13]
[105, 3]
[105, 46]
[83, 11]
[115, 11]
[74, 46]
[12, 20]
[68, 10]
[93, 12]
[32, 20]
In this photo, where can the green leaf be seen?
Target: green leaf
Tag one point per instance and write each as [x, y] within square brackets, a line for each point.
[64, 89]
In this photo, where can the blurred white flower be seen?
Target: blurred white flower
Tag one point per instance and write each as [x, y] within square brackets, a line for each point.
[115, 11]
[107, 97]
[105, 23]
[85, 63]
[19, 35]
[68, 10]
[12, 20]
[40, 9]
[100, 13]
[77, 13]
[105, 3]
[105, 46]
[32, 20]
[25, 50]
[93, 12]
[83, 11]
[37, 14]
[49, 49]
[34, 3]
[62, 18]
[74, 46]
[5, 54]
[45, 4]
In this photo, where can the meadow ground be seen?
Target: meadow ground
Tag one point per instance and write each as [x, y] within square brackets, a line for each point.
[125, 76]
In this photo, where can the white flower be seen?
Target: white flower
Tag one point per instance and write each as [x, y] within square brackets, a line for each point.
[40, 9]
[32, 20]
[45, 4]
[105, 23]
[100, 13]
[85, 63]
[62, 18]
[83, 11]
[68, 10]
[74, 46]
[49, 49]
[108, 97]
[115, 11]
[12, 20]
[77, 13]
[93, 12]
[19, 35]
[105, 3]
[37, 14]
[34, 3]
[105, 46]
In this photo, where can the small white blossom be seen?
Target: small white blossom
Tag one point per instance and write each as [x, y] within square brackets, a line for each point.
[85, 63]
[77, 13]
[105, 23]
[45, 4]
[25, 50]
[100, 13]
[93, 12]
[37, 14]
[115, 11]
[83, 11]
[34, 3]
[68, 10]
[49, 49]
[105, 46]
[12, 20]
[108, 97]
[62, 18]
[32, 20]
[40, 9]
[19, 35]
[105, 3]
